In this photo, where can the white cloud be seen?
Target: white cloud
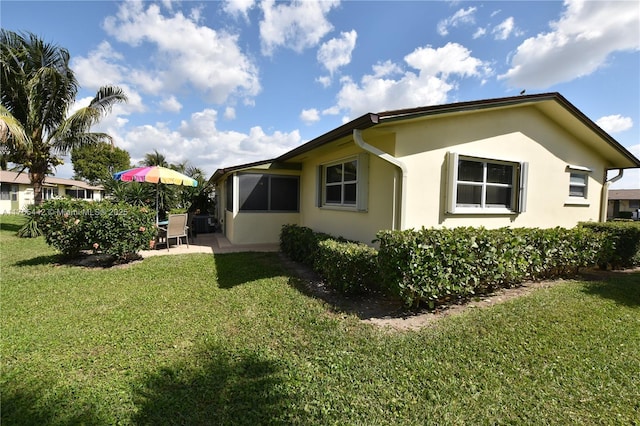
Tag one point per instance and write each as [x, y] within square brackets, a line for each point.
[239, 8]
[171, 104]
[577, 45]
[324, 80]
[198, 140]
[309, 116]
[184, 53]
[100, 67]
[462, 16]
[615, 123]
[230, 113]
[479, 32]
[503, 30]
[389, 87]
[297, 25]
[336, 52]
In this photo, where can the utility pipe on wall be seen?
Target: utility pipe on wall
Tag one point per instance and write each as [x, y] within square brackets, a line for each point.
[357, 137]
[605, 193]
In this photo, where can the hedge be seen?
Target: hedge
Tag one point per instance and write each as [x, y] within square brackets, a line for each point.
[117, 229]
[347, 266]
[624, 240]
[429, 265]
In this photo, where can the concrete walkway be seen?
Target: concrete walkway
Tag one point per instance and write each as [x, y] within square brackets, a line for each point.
[209, 243]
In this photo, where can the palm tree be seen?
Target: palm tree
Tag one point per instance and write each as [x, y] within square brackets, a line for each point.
[154, 159]
[38, 89]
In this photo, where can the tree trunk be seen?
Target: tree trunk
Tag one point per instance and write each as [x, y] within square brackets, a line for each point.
[37, 179]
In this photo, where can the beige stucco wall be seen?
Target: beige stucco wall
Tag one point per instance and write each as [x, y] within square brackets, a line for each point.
[519, 134]
[253, 227]
[348, 223]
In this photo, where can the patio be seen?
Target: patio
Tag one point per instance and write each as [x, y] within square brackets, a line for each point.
[210, 243]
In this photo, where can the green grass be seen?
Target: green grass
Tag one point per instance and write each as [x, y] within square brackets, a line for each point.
[197, 339]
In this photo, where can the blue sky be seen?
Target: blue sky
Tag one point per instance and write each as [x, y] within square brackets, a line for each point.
[220, 83]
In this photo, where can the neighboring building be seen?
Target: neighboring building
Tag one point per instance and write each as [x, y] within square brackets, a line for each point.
[16, 191]
[524, 161]
[623, 200]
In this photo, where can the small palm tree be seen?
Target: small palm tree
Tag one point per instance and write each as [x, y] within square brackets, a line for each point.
[38, 89]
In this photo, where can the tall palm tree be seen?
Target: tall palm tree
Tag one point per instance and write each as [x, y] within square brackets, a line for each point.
[38, 89]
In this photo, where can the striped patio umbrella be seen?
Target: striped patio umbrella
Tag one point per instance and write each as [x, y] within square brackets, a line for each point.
[157, 175]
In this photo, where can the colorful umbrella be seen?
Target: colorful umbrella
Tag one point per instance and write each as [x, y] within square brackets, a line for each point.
[155, 174]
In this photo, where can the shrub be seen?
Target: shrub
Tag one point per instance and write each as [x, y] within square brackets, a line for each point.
[625, 215]
[433, 264]
[30, 228]
[117, 229]
[622, 243]
[300, 243]
[348, 267]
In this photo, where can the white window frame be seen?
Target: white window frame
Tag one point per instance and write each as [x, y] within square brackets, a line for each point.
[361, 183]
[518, 186]
[575, 172]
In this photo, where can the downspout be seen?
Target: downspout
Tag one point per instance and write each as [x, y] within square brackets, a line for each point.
[398, 219]
[605, 193]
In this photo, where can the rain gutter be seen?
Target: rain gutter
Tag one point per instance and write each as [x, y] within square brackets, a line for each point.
[400, 179]
[605, 193]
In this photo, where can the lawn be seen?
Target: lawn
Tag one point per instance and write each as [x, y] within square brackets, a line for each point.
[198, 339]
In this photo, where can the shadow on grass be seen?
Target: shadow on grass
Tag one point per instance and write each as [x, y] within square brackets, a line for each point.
[228, 388]
[43, 407]
[621, 287]
[40, 260]
[11, 227]
[239, 268]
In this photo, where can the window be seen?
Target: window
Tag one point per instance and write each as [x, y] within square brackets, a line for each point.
[5, 191]
[264, 192]
[344, 183]
[578, 184]
[634, 204]
[341, 181]
[78, 193]
[49, 193]
[229, 193]
[479, 185]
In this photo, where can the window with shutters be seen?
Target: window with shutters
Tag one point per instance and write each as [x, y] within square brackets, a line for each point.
[478, 185]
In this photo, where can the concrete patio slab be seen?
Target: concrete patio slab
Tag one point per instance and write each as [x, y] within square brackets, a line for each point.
[213, 243]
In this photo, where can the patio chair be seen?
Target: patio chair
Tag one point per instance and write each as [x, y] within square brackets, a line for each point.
[176, 228]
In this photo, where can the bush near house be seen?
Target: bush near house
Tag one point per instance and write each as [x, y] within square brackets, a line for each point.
[349, 267]
[432, 265]
[624, 239]
[117, 229]
[429, 265]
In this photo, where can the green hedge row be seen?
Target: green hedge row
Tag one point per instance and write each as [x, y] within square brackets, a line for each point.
[624, 243]
[428, 265]
[348, 267]
[117, 229]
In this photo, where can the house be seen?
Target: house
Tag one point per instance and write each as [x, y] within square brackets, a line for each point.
[16, 191]
[624, 200]
[524, 161]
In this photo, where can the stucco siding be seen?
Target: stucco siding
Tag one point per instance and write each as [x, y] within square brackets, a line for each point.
[347, 223]
[259, 228]
[517, 135]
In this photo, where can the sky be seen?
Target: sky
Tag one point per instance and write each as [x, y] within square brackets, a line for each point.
[223, 83]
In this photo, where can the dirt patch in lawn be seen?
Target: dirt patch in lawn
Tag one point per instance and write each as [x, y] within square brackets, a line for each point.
[390, 313]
